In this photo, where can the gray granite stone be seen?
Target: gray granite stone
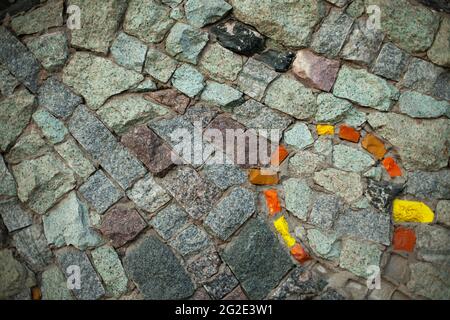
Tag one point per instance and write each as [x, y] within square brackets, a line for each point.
[39, 19]
[324, 244]
[432, 244]
[52, 128]
[221, 94]
[185, 42]
[54, 285]
[13, 215]
[391, 62]
[159, 65]
[148, 195]
[50, 49]
[298, 197]
[205, 265]
[188, 80]
[129, 52]
[202, 12]
[331, 109]
[304, 163]
[7, 185]
[222, 284]
[347, 185]
[351, 159]
[429, 281]
[299, 136]
[169, 221]
[428, 185]
[357, 256]
[417, 105]
[7, 81]
[254, 78]
[421, 75]
[191, 240]
[75, 158]
[14, 276]
[325, 211]
[224, 175]
[220, 63]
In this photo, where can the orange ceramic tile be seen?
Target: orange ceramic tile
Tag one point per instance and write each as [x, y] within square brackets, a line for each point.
[374, 145]
[391, 167]
[349, 133]
[299, 253]
[278, 156]
[36, 293]
[263, 177]
[404, 239]
[272, 201]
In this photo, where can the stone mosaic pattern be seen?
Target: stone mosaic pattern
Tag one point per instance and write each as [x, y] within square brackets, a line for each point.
[88, 176]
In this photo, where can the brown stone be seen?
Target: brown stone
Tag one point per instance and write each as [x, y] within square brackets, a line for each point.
[150, 149]
[374, 145]
[171, 98]
[314, 70]
[236, 294]
[121, 224]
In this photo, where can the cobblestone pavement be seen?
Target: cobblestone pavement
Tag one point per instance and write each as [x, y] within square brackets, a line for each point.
[97, 200]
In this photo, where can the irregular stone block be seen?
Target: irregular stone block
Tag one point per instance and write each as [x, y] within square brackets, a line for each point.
[171, 98]
[14, 276]
[50, 49]
[13, 215]
[357, 256]
[350, 159]
[432, 244]
[325, 210]
[148, 195]
[220, 63]
[391, 62]
[188, 80]
[54, 285]
[345, 184]
[202, 12]
[381, 194]
[169, 221]
[7, 184]
[429, 281]
[7, 82]
[298, 197]
[185, 42]
[304, 162]
[439, 51]
[280, 61]
[129, 52]
[299, 136]
[442, 211]
[222, 284]
[204, 266]
[74, 157]
[221, 95]
[40, 19]
[417, 105]
[324, 244]
[224, 175]
[159, 65]
[422, 76]
[52, 128]
[254, 78]
[191, 240]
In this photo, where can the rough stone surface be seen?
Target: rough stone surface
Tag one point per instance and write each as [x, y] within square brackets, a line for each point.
[224, 175]
[358, 256]
[129, 52]
[97, 79]
[202, 12]
[279, 61]
[156, 271]
[188, 80]
[391, 62]
[304, 163]
[381, 194]
[52, 128]
[439, 51]
[159, 65]
[29, 145]
[75, 159]
[325, 210]
[13, 215]
[50, 49]
[299, 136]
[231, 212]
[171, 98]
[429, 281]
[7, 185]
[169, 221]
[185, 42]
[68, 223]
[222, 284]
[345, 184]
[54, 285]
[254, 78]
[221, 63]
[442, 211]
[7, 82]
[121, 224]
[298, 197]
[47, 16]
[350, 159]
[421, 145]
[100, 192]
[148, 195]
[331, 109]
[92, 287]
[221, 94]
[291, 97]
[422, 75]
[191, 240]
[14, 276]
[324, 244]
[257, 259]
[417, 105]
[205, 265]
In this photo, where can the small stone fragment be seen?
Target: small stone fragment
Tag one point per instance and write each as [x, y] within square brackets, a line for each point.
[185, 43]
[171, 98]
[254, 78]
[121, 224]
[282, 226]
[7, 185]
[52, 128]
[314, 70]
[404, 239]
[188, 80]
[279, 61]
[100, 192]
[411, 211]
[299, 253]
[129, 52]
[222, 284]
[263, 177]
[298, 197]
[357, 256]
[325, 210]
[148, 195]
[325, 129]
[381, 194]
[221, 95]
[169, 221]
[50, 49]
[202, 12]
[391, 167]
[221, 63]
[350, 159]
[272, 202]
[349, 134]
[391, 62]
[299, 136]
[374, 145]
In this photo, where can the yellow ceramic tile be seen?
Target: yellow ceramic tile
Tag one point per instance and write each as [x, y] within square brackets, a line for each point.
[283, 229]
[411, 211]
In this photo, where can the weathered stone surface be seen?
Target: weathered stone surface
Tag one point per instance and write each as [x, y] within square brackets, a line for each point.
[331, 109]
[108, 265]
[299, 136]
[7, 185]
[357, 256]
[68, 223]
[224, 175]
[422, 75]
[15, 113]
[91, 288]
[280, 61]
[238, 37]
[222, 284]
[159, 65]
[201, 114]
[156, 271]
[40, 19]
[330, 38]
[381, 194]
[350, 159]
[442, 211]
[7, 82]
[439, 5]
[255, 115]
[325, 210]
[230, 213]
[100, 192]
[74, 157]
[50, 49]
[204, 266]
[432, 244]
[221, 94]
[291, 97]
[363, 44]
[97, 79]
[355, 118]
[32, 246]
[149, 148]
[298, 197]
[304, 162]
[14, 276]
[148, 195]
[170, 97]
[169, 221]
[323, 146]
[364, 88]
[221, 63]
[52, 128]
[429, 281]
[254, 78]
[365, 224]
[188, 80]
[345, 184]
[418, 105]
[202, 12]
[290, 23]
[324, 244]
[391, 62]
[129, 52]
[441, 88]
[19, 60]
[102, 145]
[411, 27]
[122, 112]
[30, 144]
[301, 284]
[121, 224]
[145, 86]
[54, 285]
[257, 259]
[148, 20]
[439, 51]
[191, 240]
[185, 42]
[316, 71]
[13, 215]
[57, 98]
[421, 145]
[42, 181]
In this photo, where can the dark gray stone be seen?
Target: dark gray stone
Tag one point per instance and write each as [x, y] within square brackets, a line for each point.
[91, 286]
[381, 194]
[59, 99]
[325, 210]
[19, 60]
[191, 240]
[224, 175]
[100, 192]
[156, 271]
[257, 259]
[169, 221]
[391, 62]
[222, 284]
[441, 88]
[429, 184]
[13, 215]
[440, 5]
[204, 266]
[280, 61]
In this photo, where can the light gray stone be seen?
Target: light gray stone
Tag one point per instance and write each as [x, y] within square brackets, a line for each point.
[14, 276]
[331, 109]
[391, 62]
[325, 211]
[220, 63]
[148, 195]
[254, 78]
[350, 159]
[429, 281]
[54, 285]
[299, 136]
[159, 65]
[432, 244]
[324, 244]
[185, 43]
[13, 215]
[7, 185]
[129, 52]
[421, 75]
[224, 175]
[52, 128]
[188, 80]
[304, 162]
[442, 211]
[221, 94]
[347, 185]
[75, 158]
[7, 82]
[298, 197]
[357, 256]
[169, 221]
[418, 105]
[37, 20]
[202, 12]
[50, 49]
[100, 192]
[191, 240]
